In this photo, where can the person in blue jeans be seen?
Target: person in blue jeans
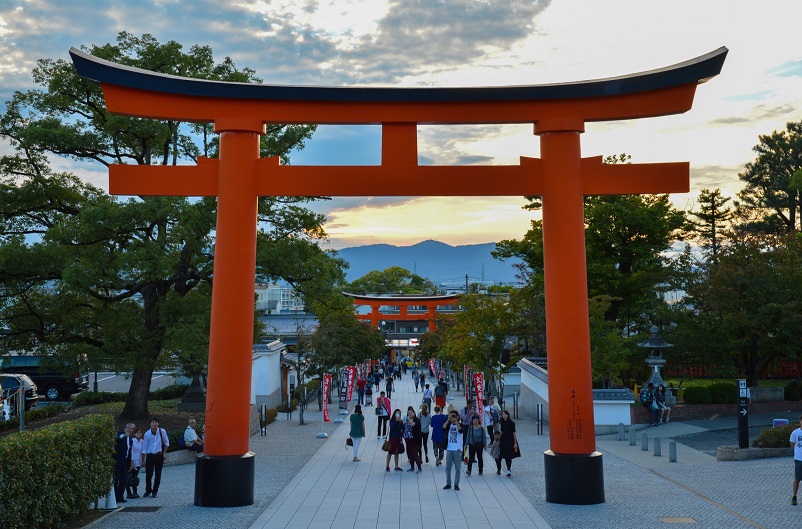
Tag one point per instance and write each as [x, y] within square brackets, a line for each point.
[453, 431]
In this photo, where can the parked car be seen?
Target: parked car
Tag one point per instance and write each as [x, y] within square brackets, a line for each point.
[11, 382]
[55, 383]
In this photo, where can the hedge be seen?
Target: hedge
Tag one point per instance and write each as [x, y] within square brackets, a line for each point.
[791, 393]
[31, 415]
[775, 437]
[88, 398]
[56, 472]
[697, 395]
[723, 393]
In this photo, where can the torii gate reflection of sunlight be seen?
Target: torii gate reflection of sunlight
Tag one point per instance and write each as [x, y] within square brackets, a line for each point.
[573, 467]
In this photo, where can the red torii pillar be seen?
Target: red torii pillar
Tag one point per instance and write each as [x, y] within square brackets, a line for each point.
[573, 470]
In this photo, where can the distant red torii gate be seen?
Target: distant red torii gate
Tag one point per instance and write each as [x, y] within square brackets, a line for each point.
[573, 469]
[403, 302]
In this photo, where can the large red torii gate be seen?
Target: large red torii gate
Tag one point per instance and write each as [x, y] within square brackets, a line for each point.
[574, 473]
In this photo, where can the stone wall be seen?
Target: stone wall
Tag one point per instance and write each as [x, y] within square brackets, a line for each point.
[687, 412]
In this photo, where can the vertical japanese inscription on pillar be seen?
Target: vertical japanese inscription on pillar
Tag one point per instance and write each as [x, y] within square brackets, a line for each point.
[574, 427]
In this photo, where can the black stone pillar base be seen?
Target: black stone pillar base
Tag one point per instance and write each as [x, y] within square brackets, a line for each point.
[573, 479]
[224, 481]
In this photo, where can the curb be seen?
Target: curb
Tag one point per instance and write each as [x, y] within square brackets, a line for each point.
[733, 453]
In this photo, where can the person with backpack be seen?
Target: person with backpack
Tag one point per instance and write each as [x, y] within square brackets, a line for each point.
[427, 396]
[440, 394]
[648, 401]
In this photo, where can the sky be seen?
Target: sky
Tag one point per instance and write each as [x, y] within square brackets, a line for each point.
[461, 43]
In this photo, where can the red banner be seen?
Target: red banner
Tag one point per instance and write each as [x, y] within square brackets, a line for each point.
[351, 381]
[326, 387]
[479, 384]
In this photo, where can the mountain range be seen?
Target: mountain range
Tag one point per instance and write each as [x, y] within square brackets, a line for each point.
[433, 260]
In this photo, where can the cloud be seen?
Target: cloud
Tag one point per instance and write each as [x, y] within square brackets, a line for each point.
[757, 114]
[787, 69]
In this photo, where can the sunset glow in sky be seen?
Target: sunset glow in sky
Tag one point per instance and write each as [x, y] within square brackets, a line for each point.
[462, 43]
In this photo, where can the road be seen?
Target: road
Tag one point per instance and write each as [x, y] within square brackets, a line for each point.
[113, 382]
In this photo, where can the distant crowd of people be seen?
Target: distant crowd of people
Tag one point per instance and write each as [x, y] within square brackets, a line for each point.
[457, 436]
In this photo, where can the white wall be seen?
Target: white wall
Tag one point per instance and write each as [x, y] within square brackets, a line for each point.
[266, 374]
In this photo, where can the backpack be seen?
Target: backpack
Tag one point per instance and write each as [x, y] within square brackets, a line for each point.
[439, 391]
[494, 415]
[644, 395]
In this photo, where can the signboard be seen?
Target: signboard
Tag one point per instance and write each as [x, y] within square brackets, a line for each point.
[344, 373]
[479, 386]
[743, 415]
[326, 388]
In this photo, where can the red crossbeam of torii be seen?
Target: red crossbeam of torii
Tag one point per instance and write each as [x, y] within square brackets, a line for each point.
[561, 176]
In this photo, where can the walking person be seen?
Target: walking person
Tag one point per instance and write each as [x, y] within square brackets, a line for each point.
[796, 443]
[425, 422]
[422, 377]
[412, 438]
[416, 380]
[360, 391]
[453, 437]
[427, 395]
[509, 441]
[389, 387]
[477, 441]
[383, 408]
[436, 427]
[155, 445]
[440, 392]
[495, 450]
[396, 432]
[136, 464]
[492, 416]
[357, 432]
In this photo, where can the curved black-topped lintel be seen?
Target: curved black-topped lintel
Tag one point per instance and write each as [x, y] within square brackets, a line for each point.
[695, 70]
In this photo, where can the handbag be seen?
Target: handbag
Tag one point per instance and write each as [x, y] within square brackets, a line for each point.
[516, 452]
[349, 442]
[386, 446]
[654, 405]
[133, 481]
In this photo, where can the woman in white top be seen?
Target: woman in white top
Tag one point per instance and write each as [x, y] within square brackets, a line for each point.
[136, 462]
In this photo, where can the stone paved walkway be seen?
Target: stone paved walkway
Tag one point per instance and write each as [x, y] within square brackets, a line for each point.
[306, 482]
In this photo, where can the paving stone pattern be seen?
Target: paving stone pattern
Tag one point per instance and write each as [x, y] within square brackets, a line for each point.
[303, 481]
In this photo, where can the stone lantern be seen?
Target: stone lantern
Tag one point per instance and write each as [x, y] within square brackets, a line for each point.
[655, 345]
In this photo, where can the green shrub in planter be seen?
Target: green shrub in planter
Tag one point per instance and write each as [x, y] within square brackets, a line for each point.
[791, 393]
[774, 437]
[56, 472]
[698, 395]
[31, 415]
[723, 393]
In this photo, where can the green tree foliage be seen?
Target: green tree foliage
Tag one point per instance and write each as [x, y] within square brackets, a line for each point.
[713, 217]
[86, 273]
[744, 309]
[770, 200]
[393, 280]
[341, 339]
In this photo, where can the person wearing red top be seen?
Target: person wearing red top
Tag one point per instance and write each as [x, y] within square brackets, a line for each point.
[383, 408]
[360, 391]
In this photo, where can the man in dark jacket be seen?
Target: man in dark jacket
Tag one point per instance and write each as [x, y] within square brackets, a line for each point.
[122, 461]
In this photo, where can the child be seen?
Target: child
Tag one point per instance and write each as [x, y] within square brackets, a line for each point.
[495, 451]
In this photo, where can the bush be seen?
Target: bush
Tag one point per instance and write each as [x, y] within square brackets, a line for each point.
[33, 415]
[173, 391]
[698, 395]
[271, 415]
[173, 436]
[55, 472]
[90, 398]
[791, 393]
[774, 437]
[723, 393]
[283, 409]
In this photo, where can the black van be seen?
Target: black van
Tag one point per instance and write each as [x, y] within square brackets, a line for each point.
[52, 382]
